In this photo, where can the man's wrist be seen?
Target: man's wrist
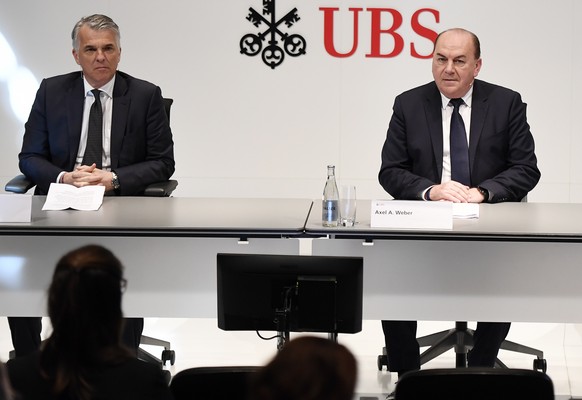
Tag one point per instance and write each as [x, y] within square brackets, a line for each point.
[61, 177]
[114, 181]
[427, 194]
[484, 192]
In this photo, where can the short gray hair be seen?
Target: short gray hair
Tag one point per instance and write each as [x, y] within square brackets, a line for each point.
[96, 22]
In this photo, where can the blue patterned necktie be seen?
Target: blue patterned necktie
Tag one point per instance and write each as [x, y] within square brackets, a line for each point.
[459, 148]
[94, 148]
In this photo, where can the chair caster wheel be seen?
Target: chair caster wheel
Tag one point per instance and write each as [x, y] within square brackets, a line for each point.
[168, 355]
[382, 361]
[540, 364]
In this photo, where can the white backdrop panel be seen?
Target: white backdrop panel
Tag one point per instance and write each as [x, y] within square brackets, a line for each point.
[244, 129]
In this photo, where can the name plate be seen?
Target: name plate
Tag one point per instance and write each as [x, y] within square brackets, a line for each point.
[411, 214]
[15, 207]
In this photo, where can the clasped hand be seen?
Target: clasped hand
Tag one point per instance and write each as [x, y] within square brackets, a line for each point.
[85, 175]
[455, 192]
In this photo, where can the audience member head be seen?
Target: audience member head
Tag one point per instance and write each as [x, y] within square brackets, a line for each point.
[84, 305]
[307, 368]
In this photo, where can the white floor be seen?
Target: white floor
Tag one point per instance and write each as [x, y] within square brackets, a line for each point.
[198, 342]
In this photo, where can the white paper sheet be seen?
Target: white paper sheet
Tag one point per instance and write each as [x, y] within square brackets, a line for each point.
[62, 196]
[466, 210]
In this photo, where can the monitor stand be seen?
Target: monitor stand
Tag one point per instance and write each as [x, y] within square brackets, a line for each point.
[315, 298]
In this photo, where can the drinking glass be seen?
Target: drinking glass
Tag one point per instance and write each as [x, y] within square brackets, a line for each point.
[347, 202]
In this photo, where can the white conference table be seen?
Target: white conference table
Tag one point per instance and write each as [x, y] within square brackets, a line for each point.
[517, 262]
[167, 245]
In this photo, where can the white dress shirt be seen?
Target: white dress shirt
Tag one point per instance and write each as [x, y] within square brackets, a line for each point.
[107, 105]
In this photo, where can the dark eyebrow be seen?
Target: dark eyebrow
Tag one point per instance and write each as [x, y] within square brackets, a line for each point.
[461, 57]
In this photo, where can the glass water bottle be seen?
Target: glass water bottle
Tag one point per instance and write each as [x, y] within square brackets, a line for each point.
[330, 203]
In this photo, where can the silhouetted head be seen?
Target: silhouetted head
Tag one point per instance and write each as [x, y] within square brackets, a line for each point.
[84, 299]
[307, 368]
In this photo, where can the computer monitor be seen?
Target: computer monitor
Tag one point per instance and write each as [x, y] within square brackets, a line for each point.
[289, 293]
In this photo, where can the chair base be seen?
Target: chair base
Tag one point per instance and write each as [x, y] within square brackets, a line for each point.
[167, 353]
[460, 338]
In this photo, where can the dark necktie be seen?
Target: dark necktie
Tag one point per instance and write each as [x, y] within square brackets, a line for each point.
[459, 149]
[94, 148]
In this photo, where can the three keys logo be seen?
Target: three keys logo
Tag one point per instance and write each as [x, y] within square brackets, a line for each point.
[278, 43]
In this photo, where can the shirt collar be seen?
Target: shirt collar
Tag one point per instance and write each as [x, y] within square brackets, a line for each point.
[107, 88]
[467, 98]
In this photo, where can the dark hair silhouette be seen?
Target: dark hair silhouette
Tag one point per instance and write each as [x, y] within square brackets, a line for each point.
[307, 368]
[84, 305]
[6, 392]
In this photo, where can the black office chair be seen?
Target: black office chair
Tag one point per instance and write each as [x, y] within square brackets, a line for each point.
[21, 184]
[212, 383]
[460, 338]
[474, 384]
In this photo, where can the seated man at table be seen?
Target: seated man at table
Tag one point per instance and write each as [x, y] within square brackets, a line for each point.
[462, 140]
[97, 126]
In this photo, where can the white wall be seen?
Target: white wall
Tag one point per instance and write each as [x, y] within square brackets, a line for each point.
[243, 129]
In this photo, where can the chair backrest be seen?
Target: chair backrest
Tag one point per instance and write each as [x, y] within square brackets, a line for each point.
[167, 106]
[212, 383]
[165, 188]
[474, 384]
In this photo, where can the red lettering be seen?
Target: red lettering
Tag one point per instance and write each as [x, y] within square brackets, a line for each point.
[328, 31]
[422, 31]
[377, 31]
[380, 35]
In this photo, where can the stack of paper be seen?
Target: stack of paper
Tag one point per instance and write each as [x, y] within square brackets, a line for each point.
[465, 210]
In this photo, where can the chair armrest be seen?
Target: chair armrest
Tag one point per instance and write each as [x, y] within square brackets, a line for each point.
[19, 184]
[161, 189]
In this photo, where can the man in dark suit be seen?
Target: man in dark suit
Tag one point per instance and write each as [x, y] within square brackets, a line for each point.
[417, 163]
[137, 145]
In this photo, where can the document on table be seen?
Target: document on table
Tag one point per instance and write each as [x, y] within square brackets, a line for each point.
[465, 210]
[62, 196]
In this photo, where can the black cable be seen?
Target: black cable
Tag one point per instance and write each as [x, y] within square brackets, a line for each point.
[267, 338]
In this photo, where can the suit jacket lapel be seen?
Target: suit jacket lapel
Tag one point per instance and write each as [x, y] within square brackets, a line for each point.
[434, 117]
[479, 106]
[75, 104]
[121, 103]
